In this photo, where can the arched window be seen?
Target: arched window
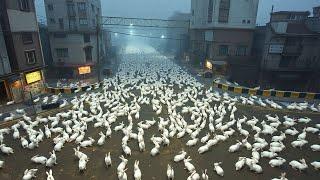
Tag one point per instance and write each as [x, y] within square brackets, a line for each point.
[224, 9]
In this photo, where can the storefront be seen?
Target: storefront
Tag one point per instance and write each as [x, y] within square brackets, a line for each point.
[16, 88]
[33, 83]
[4, 96]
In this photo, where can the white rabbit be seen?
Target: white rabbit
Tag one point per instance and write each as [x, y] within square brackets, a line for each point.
[122, 175]
[39, 159]
[123, 164]
[194, 176]
[102, 139]
[137, 171]
[5, 149]
[205, 175]
[170, 172]
[49, 175]
[315, 164]
[190, 167]
[277, 162]
[83, 164]
[218, 169]
[29, 174]
[282, 177]
[240, 163]
[180, 156]
[107, 160]
[52, 160]
[1, 164]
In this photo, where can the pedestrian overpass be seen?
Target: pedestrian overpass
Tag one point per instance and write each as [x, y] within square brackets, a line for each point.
[142, 22]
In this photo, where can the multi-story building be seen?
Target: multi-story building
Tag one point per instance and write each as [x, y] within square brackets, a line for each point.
[222, 29]
[20, 53]
[72, 26]
[290, 52]
[178, 45]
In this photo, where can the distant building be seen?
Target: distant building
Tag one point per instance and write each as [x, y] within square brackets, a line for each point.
[178, 38]
[290, 52]
[221, 29]
[72, 27]
[21, 60]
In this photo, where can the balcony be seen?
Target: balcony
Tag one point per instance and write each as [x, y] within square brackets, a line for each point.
[292, 50]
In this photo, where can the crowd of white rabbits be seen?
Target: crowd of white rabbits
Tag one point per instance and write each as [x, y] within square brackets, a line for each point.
[182, 108]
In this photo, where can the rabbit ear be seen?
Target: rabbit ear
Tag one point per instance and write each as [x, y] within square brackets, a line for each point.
[47, 173]
[50, 171]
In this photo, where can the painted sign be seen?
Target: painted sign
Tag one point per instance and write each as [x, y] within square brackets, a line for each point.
[33, 77]
[276, 48]
[84, 70]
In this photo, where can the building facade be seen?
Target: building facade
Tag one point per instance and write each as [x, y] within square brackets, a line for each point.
[290, 52]
[72, 26]
[20, 36]
[220, 29]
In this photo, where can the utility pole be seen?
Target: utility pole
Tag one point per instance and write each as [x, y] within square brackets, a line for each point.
[98, 47]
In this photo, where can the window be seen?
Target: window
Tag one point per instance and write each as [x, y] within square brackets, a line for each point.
[210, 11]
[248, 21]
[83, 21]
[30, 57]
[61, 24]
[241, 51]
[52, 21]
[24, 5]
[72, 23]
[223, 50]
[88, 52]
[82, 6]
[224, 11]
[94, 22]
[192, 12]
[62, 52]
[27, 38]
[92, 7]
[71, 9]
[59, 35]
[50, 7]
[243, 21]
[86, 38]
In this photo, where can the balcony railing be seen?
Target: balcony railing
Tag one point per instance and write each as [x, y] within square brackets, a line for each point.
[292, 50]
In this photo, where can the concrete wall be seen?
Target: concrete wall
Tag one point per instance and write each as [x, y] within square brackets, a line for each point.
[239, 10]
[60, 11]
[4, 59]
[75, 44]
[20, 49]
[232, 38]
[22, 21]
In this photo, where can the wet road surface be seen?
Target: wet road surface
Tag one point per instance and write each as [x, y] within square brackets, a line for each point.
[155, 167]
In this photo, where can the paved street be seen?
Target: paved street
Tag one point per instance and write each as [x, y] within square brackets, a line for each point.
[147, 87]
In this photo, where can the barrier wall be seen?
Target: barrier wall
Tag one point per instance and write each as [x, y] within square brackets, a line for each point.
[225, 87]
[267, 93]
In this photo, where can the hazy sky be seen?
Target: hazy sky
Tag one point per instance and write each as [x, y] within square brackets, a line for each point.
[165, 8]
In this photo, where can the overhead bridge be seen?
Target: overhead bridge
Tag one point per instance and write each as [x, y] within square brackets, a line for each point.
[141, 22]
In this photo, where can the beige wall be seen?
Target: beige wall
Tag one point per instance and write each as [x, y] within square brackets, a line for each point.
[15, 5]
[232, 38]
[20, 48]
[75, 44]
[22, 21]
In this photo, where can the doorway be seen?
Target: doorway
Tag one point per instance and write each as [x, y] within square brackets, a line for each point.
[3, 93]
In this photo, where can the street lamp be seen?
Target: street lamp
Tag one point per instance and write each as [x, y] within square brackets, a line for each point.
[131, 32]
[131, 24]
[116, 34]
[162, 36]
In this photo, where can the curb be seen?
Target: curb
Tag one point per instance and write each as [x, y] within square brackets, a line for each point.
[268, 93]
[72, 90]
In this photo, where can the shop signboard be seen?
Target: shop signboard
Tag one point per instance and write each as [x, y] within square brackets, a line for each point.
[276, 48]
[84, 70]
[33, 77]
